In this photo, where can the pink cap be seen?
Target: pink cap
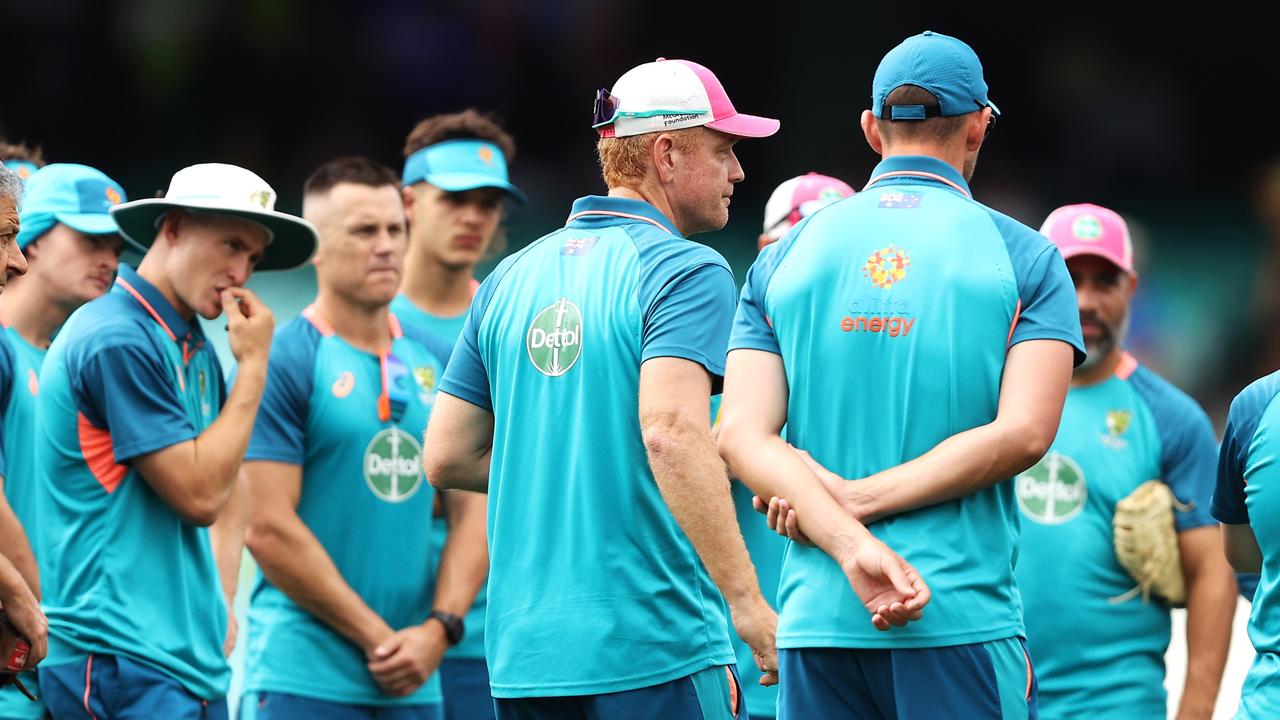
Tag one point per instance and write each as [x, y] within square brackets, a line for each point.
[1087, 229]
[675, 94]
[798, 197]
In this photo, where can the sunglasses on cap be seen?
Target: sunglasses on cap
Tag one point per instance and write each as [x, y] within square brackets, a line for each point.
[606, 110]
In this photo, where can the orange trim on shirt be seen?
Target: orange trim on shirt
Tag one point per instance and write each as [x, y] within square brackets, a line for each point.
[916, 173]
[147, 306]
[393, 322]
[95, 448]
[312, 314]
[1128, 364]
[1017, 313]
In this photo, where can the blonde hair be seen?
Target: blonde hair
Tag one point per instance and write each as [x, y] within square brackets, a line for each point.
[624, 161]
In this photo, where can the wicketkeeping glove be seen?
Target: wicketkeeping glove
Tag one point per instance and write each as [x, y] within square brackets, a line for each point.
[13, 652]
[1147, 543]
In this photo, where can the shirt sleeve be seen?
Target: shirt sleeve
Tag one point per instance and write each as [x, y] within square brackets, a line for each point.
[465, 375]
[280, 430]
[1228, 495]
[690, 318]
[751, 327]
[130, 390]
[1048, 308]
[1187, 463]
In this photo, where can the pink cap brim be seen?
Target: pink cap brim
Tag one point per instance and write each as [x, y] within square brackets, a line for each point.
[1082, 249]
[743, 125]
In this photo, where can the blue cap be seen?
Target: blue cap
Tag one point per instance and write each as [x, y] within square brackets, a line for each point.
[941, 64]
[458, 165]
[24, 168]
[77, 196]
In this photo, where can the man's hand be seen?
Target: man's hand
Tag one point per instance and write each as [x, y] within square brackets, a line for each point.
[402, 662]
[23, 613]
[758, 628]
[890, 588]
[249, 324]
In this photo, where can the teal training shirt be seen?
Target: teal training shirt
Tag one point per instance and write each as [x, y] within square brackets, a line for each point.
[364, 497]
[1248, 492]
[1114, 436]
[448, 328]
[593, 587]
[19, 385]
[893, 311]
[123, 574]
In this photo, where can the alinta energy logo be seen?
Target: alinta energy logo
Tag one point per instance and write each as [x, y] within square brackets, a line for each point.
[393, 465]
[886, 266]
[1052, 491]
[882, 313]
[554, 340]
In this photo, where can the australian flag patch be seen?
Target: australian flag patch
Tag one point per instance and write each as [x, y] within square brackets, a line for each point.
[578, 245]
[901, 200]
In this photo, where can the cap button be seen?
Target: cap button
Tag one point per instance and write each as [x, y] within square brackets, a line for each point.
[927, 33]
[661, 59]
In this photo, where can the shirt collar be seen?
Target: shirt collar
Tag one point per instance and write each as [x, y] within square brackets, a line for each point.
[600, 211]
[901, 169]
[155, 304]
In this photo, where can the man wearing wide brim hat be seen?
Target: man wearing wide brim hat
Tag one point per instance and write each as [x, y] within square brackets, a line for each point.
[139, 449]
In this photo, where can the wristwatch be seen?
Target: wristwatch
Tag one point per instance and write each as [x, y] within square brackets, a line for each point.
[453, 627]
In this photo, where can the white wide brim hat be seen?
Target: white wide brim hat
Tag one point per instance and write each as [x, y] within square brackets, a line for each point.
[222, 189]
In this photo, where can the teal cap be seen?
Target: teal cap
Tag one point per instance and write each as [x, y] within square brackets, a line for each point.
[77, 196]
[460, 165]
[945, 66]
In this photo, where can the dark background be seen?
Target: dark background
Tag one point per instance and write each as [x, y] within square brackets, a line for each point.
[1168, 118]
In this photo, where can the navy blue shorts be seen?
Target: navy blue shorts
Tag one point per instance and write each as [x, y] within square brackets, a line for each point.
[711, 694]
[981, 681]
[465, 684]
[283, 706]
[113, 687]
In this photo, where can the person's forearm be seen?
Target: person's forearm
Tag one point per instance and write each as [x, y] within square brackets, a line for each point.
[219, 450]
[1211, 606]
[15, 545]
[464, 561]
[294, 561]
[961, 465]
[769, 466]
[11, 581]
[226, 535]
[691, 477]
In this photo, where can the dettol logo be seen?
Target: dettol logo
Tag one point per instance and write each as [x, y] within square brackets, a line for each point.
[1053, 491]
[393, 465]
[555, 338]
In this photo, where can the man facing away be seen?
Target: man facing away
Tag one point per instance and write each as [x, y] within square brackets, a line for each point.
[72, 248]
[344, 622]
[918, 345]
[139, 448]
[455, 180]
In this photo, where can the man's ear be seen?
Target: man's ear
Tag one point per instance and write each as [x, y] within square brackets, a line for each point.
[663, 156]
[976, 130]
[171, 225]
[871, 130]
[407, 197]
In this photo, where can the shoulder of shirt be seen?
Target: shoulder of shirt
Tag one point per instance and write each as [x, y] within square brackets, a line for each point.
[666, 248]
[113, 320]
[295, 342]
[1016, 233]
[1165, 400]
[1247, 407]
